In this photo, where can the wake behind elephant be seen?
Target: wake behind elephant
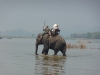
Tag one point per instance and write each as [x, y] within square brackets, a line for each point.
[56, 43]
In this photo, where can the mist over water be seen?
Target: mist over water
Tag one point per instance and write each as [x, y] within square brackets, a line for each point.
[17, 57]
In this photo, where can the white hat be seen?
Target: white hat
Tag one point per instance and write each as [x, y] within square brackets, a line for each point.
[55, 25]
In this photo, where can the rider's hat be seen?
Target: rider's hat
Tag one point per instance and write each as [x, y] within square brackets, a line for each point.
[55, 25]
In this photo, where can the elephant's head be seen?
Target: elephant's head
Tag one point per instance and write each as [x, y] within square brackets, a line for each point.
[39, 39]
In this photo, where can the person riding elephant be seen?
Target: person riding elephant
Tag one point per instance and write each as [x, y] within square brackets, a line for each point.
[46, 30]
[56, 43]
[55, 30]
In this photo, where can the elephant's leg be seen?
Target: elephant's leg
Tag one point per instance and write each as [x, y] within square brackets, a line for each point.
[46, 52]
[63, 52]
[63, 49]
[45, 49]
[56, 51]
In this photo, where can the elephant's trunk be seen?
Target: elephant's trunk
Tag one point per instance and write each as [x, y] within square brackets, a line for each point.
[36, 45]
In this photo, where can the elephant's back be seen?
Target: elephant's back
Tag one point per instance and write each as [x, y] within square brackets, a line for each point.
[61, 39]
[61, 42]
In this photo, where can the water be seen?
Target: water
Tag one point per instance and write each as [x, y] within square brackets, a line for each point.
[17, 57]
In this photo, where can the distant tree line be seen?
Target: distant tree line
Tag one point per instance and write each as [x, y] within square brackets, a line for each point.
[88, 35]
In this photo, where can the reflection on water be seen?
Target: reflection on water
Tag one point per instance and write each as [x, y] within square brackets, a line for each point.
[50, 65]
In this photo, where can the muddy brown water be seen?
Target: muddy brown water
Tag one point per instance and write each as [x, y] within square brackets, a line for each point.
[17, 58]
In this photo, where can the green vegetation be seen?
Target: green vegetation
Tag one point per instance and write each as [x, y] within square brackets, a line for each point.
[89, 35]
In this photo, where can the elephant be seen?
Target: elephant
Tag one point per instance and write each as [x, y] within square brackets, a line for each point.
[56, 43]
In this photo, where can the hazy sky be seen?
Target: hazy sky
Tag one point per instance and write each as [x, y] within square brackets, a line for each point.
[70, 15]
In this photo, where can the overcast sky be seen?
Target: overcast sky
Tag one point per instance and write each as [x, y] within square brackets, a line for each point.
[70, 15]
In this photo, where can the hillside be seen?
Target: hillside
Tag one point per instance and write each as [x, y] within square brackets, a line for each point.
[16, 33]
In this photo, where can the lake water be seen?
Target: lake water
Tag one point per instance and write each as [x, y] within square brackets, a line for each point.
[17, 57]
